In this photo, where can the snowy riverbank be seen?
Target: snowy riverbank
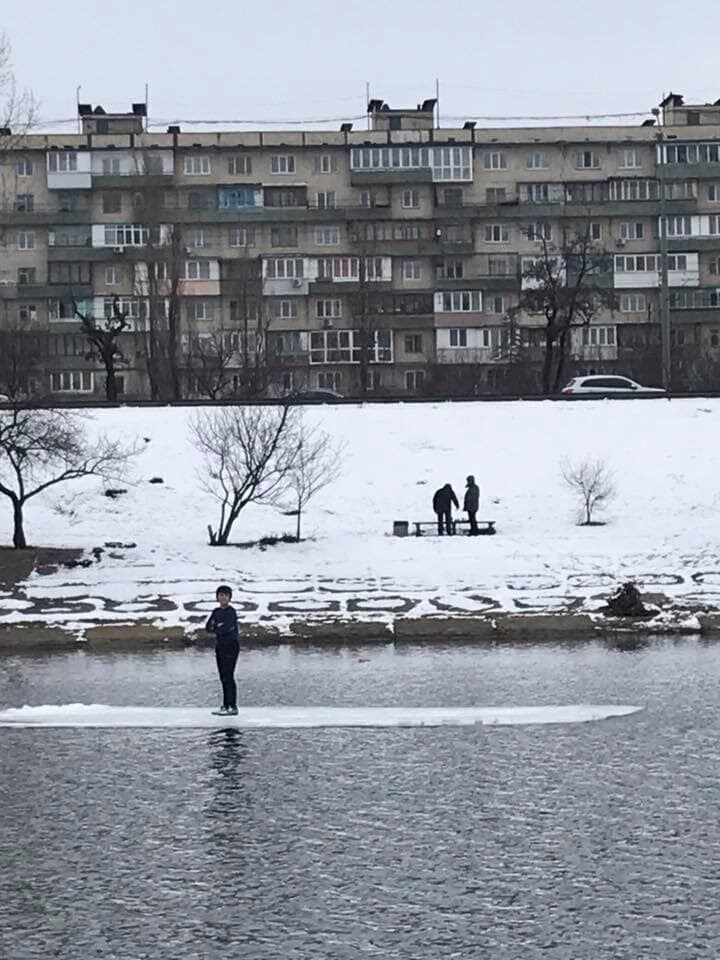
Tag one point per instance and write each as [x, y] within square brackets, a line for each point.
[661, 529]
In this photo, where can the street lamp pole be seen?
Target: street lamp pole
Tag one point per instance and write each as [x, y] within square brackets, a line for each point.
[664, 288]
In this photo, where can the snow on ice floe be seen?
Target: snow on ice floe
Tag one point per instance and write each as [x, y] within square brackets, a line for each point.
[101, 715]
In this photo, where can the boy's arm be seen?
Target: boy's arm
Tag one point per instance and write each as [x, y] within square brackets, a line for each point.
[232, 619]
[210, 625]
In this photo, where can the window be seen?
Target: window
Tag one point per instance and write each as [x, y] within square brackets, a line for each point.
[598, 336]
[277, 268]
[112, 202]
[125, 235]
[713, 192]
[446, 163]
[72, 381]
[692, 152]
[411, 198]
[536, 160]
[452, 197]
[677, 337]
[282, 163]
[344, 346]
[328, 309]
[635, 263]
[198, 200]
[327, 236]
[138, 201]
[69, 273]
[326, 198]
[197, 237]
[633, 303]
[288, 381]
[111, 165]
[197, 166]
[458, 338]
[596, 231]
[499, 266]
[374, 380]
[452, 269]
[325, 163]
[413, 343]
[714, 266]
[538, 192]
[587, 160]
[496, 233]
[328, 380]
[634, 189]
[62, 161]
[411, 270]
[495, 195]
[24, 167]
[407, 231]
[283, 309]
[458, 301]
[677, 261]
[414, 380]
[112, 276]
[494, 303]
[338, 268]
[27, 313]
[239, 164]
[25, 202]
[26, 240]
[283, 237]
[197, 270]
[284, 198]
[539, 231]
[241, 236]
[367, 198]
[629, 158]
[631, 231]
[678, 226]
[715, 338]
[26, 275]
[202, 310]
[494, 160]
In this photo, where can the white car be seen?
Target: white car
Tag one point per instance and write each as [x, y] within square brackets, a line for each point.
[607, 385]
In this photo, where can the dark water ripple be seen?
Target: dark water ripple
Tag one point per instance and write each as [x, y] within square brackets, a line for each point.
[587, 842]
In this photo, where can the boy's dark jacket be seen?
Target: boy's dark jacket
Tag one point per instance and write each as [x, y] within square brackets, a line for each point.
[223, 623]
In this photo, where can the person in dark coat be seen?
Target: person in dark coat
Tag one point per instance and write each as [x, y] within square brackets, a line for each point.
[471, 504]
[442, 505]
[223, 623]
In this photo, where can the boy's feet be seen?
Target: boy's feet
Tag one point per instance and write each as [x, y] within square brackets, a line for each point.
[232, 711]
[222, 712]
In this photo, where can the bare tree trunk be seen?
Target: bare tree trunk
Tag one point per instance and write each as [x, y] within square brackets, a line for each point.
[19, 541]
[562, 356]
[297, 534]
[547, 362]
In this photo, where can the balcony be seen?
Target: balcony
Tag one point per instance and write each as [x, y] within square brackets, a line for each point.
[361, 178]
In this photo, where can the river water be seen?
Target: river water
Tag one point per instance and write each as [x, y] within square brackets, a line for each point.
[594, 841]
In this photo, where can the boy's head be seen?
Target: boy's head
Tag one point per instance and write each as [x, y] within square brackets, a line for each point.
[223, 595]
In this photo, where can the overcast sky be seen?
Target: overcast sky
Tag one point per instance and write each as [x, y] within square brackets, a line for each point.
[277, 59]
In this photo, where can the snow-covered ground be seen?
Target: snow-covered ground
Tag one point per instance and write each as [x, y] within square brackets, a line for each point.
[661, 530]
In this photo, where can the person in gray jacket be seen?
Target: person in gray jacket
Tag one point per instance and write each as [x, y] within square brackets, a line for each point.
[471, 504]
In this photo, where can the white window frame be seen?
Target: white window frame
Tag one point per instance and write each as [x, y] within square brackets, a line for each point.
[327, 236]
[282, 163]
[111, 166]
[536, 160]
[62, 161]
[284, 309]
[325, 199]
[196, 270]
[328, 380]
[539, 231]
[457, 337]
[633, 303]
[24, 167]
[125, 235]
[112, 276]
[458, 301]
[629, 158]
[324, 163]
[201, 310]
[239, 165]
[495, 160]
[599, 336]
[494, 303]
[713, 192]
[631, 230]
[284, 268]
[72, 381]
[679, 225]
[414, 380]
[25, 240]
[497, 233]
[236, 232]
[411, 270]
[587, 160]
[328, 309]
[197, 165]
[197, 237]
[596, 230]
[410, 199]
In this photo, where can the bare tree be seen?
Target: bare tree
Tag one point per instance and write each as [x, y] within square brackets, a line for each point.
[103, 337]
[22, 355]
[207, 362]
[18, 108]
[565, 285]
[592, 483]
[247, 453]
[317, 464]
[42, 448]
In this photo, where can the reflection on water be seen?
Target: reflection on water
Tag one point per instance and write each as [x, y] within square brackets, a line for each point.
[588, 842]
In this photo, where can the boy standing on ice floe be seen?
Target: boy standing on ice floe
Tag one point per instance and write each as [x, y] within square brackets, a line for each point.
[223, 623]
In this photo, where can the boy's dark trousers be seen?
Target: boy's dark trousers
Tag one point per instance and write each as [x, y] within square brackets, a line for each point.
[226, 655]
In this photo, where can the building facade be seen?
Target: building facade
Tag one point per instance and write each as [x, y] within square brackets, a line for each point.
[387, 261]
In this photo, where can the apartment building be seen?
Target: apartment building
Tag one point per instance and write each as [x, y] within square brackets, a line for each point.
[389, 260]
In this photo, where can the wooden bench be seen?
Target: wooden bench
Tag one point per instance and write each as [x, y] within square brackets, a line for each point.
[485, 527]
